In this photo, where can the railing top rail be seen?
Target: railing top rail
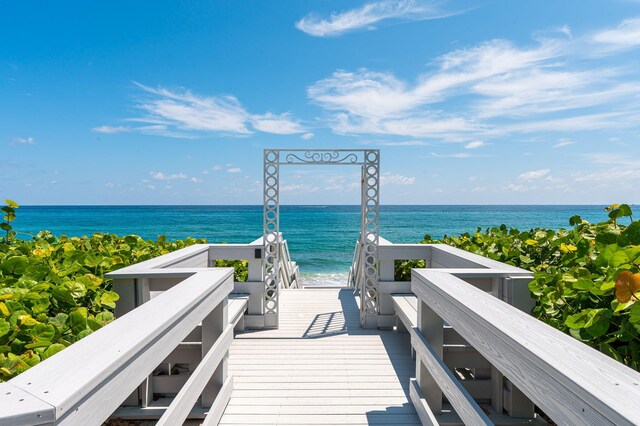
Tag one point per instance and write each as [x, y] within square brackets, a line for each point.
[570, 381]
[68, 378]
[152, 266]
[162, 261]
[388, 250]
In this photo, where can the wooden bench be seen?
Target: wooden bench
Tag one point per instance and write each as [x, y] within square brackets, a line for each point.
[458, 355]
[236, 308]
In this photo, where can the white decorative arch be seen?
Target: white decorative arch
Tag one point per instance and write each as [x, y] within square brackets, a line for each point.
[369, 162]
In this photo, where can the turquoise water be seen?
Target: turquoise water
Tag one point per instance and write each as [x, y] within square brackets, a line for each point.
[321, 238]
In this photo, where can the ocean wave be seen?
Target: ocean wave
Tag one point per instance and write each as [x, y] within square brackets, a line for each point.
[324, 279]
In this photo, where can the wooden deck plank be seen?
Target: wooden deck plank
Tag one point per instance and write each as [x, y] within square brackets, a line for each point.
[320, 367]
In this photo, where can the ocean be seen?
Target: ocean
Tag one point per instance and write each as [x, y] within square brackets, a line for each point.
[321, 238]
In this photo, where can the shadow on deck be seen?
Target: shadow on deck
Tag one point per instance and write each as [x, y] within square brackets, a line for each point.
[321, 367]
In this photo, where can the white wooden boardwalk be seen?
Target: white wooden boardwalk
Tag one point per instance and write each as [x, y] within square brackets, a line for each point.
[319, 367]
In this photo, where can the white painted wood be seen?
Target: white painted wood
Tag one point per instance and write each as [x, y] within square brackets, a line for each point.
[213, 328]
[255, 290]
[112, 361]
[164, 261]
[422, 408]
[320, 366]
[198, 380]
[217, 409]
[19, 407]
[457, 395]
[430, 328]
[571, 382]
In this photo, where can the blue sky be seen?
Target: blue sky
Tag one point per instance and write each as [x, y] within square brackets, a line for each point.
[470, 102]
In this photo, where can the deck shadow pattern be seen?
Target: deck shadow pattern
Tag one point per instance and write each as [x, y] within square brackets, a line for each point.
[320, 367]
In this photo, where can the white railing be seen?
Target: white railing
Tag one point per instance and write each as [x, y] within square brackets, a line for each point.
[85, 383]
[354, 280]
[571, 382]
[503, 281]
[289, 271]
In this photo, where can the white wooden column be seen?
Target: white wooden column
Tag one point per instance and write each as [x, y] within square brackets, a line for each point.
[432, 328]
[212, 327]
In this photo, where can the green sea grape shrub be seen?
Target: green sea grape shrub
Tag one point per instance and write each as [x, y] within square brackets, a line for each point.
[586, 278]
[53, 291]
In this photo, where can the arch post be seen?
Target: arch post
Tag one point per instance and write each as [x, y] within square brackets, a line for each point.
[369, 161]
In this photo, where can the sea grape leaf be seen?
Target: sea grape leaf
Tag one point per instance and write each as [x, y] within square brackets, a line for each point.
[633, 232]
[583, 319]
[105, 317]
[627, 286]
[15, 265]
[63, 295]
[40, 343]
[575, 220]
[4, 310]
[4, 327]
[77, 322]
[52, 350]
[92, 260]
[43, 332]
[37, 272]
[13, 319]
[76, 289]
[59, 321]
[618, 259]
[11, 204]
[109, 298]
[90, 281]
[634, 316]
[603, 258]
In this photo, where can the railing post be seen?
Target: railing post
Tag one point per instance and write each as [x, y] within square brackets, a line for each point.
[143, 295]
[432, 328]
[212, 327]
[126, 289]
[515, 291]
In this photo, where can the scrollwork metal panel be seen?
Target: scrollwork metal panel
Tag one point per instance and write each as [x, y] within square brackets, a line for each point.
[322, 157]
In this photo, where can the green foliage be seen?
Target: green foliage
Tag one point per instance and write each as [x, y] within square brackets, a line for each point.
[9, 211]
[240, 268]
[586, 279]
[53, 291]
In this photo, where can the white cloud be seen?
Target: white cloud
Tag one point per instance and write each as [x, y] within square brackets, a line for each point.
[180, 113]
[396, 179]
[299, 188]
[369, 14]
[562, 142]
[111, 129]
[307, 136]
[234, 170]
[182, 110]
[195, 180]
[516, 188]
[404, 143]
[552, 86]
[456, 155]
[625, 35]
[163, 176]
[475, 145]
[216, 167]
[534, 174]
[281, 124]
[23, 141]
